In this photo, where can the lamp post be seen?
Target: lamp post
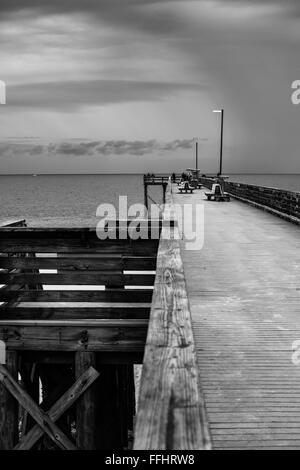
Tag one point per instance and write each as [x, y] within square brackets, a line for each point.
[221, 111]
[197, 154]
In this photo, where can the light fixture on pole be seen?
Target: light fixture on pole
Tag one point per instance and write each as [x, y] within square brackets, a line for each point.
[197, 143]
[221, 111]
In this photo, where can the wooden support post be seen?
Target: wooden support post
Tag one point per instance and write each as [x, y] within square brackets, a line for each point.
[9, 407]
[86, 406]
[130, 395]
[108, 418]
[122, 404]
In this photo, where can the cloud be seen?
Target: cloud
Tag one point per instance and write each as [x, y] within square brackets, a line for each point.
[117, 147]
[74, 148]
[73, 94]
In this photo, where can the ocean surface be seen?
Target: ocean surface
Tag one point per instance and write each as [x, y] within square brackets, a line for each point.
[67, 200]
[72, 200]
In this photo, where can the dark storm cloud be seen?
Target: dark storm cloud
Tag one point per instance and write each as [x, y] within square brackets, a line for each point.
[125, 12]
[139, 15]
[117, 147]
[93, 148]
[66, 95]
[115, 6]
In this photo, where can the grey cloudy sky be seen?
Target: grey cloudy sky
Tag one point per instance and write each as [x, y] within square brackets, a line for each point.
[125, 85]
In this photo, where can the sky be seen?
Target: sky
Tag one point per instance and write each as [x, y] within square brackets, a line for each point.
[103, 86]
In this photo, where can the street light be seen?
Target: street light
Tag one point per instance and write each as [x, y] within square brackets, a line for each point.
[221, 111]
[197, 142]
[197, 139]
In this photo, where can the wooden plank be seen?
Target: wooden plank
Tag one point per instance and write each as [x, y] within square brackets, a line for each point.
[245, 307]
[9, 407]
[83, 382]
[43, 420]
[143, 223]
[28, 240]
[74, 338]
[60, 357]
[91, 322]
[107, 295]
[13, 223]
[70, 278]
[76, 263]
[171, 413]
[65, 313]
[142, 262]
[86, 405]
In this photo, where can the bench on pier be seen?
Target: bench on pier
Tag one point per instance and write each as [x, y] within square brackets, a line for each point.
[217, 194]
[185, 186]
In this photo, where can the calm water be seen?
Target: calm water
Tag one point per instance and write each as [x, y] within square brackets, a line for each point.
[67, 200]
[72, 200]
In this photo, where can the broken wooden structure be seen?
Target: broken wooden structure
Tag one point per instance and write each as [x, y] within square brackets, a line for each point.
[157, 180]
[73, 322]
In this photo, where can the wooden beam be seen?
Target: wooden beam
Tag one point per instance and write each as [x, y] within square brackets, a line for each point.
[138, 311]
[34, 410]
[86, 405]
[91, 322]
[83, 382]
[76, 263]
[9, 407]
[74, 338]
[60, 357]
[107, 295]
[171, 414]
[69, 278]
[35, 240]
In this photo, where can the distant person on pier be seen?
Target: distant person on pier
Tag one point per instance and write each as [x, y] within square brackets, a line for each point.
[173, 178]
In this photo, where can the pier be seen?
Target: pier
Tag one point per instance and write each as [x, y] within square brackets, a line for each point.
[214, 330]
[244, 296]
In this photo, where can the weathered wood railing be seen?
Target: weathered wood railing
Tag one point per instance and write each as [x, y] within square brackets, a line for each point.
[73, 307]
[171, 413]
[13, 223]
[55, 334]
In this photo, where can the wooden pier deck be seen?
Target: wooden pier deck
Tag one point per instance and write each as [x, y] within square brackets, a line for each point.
[244, 292]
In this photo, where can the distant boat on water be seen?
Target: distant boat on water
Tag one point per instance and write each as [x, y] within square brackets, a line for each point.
[34, 175]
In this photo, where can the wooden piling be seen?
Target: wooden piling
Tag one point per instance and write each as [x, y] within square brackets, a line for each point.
[9, 407]
[86, 405]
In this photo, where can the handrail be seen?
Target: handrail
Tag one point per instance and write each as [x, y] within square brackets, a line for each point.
[171, 413]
